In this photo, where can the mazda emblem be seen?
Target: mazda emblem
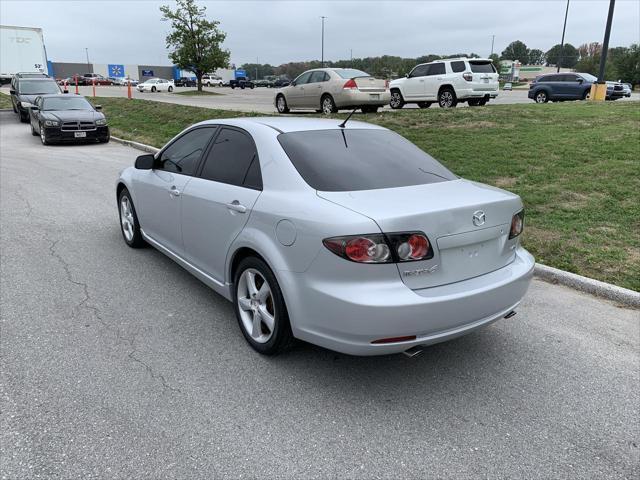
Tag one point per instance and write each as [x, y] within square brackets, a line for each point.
[478, 218]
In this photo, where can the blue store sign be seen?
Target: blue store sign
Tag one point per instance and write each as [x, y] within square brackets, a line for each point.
[116, 71]
[147, 73]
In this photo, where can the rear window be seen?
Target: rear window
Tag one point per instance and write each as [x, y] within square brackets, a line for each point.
[482, 67]
[351, 73]
[458, 66]
[343, 160]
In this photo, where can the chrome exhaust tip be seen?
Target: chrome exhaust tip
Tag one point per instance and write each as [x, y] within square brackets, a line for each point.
[413, 351]
[512, 313]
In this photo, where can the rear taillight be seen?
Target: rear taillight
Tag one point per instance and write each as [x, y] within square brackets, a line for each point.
[517, 224]
[386, 84]
[380, 248]
[467, 76]
[350, 85]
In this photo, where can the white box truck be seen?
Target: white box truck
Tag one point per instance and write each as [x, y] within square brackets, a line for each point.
[21, 50]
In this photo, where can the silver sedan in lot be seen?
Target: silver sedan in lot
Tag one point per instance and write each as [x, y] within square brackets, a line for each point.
[328, 90]
[347, 236]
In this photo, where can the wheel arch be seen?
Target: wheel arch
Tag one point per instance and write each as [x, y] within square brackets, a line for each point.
[447, 86]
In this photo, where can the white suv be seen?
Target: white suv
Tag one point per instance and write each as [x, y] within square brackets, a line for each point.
[471, 80]
[209, 80]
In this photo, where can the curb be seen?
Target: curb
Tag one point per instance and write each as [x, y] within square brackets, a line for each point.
[137, 145]
[623, 296]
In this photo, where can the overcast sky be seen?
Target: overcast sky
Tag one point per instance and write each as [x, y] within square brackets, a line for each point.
[119, 31]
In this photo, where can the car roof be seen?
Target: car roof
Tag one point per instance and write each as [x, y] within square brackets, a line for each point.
[37, 79]
[293, 124]
[57, 95]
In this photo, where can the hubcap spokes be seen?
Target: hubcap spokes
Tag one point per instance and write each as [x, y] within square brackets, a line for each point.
[126, 218]
[255, 302]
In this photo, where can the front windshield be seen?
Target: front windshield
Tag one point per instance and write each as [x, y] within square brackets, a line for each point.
[588, 77]
[35, 87]
[66, 103]
[152, 80]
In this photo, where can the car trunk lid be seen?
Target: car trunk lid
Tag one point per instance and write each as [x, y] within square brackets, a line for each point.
[484, 76]
[370, 84]
[463, 248]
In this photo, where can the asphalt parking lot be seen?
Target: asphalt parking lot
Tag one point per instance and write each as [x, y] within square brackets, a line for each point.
[116, 363]
[258, 99]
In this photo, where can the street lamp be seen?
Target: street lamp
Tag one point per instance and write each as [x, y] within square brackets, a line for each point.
[86, 50]
[562, 41]
[322, 60]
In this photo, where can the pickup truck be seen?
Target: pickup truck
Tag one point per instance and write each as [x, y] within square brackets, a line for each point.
[241, 82]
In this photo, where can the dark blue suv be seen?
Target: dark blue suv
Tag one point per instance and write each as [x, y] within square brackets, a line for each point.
[568, 86]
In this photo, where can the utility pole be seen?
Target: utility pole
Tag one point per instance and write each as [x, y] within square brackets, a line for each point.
[566, 13]
[257, 62]
[322, 60]
[493, 39]
[351, 56]
[86, 50]
[605, 44]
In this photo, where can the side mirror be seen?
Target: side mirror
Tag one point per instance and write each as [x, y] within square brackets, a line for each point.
[581, 80]
[26, 104]
[98, 107]
[293, 84]
[406, 75]
[145, 162]
[12, 92]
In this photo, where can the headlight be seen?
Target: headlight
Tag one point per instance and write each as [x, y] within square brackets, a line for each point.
[51, 123]
[101, 121]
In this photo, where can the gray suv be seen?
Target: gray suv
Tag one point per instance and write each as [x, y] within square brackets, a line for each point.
[569, 86]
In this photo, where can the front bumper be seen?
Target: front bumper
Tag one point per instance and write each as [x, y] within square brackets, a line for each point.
[348, 316]
[56, 135]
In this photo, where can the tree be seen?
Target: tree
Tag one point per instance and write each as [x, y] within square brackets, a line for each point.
[536, 57]
[628, 65]
[196, 42]
[570, 55]
[516, 51]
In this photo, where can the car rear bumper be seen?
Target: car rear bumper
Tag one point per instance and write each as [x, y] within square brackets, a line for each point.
[356, 98]
[348, 317]
[479, 91]
[56, 135]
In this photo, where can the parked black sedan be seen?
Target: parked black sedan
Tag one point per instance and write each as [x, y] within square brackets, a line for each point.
[67, 118]
[185, 82]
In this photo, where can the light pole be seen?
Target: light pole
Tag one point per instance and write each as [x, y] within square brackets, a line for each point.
[605, 43]
[566, 13]
[493, 39]
[257, 62]
[86, 50]
[322, 60]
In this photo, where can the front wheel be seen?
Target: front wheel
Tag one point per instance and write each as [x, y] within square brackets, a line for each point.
[328, 105]
[260, 307]
[170, 89]
[281, 104]
[587, 94]
[43, 136]
[447, 98]
[396, 101]
[153, 89]
[129, 225]
[541, 97]
[33, 131]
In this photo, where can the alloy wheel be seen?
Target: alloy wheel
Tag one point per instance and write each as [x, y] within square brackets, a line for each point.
[43, 138]
[281, 104]
[541, 97]
[396, 100]
[327, 106]
[256, 305]
[446, 99]
[126, 218]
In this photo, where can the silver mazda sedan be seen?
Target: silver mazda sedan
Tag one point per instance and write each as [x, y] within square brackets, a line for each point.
[347, 236]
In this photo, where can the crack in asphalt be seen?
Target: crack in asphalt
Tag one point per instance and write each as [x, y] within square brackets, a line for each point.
[84, 303]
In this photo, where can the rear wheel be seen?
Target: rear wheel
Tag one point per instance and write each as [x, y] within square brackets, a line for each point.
[483, 101]
[369, 109]
[260, 307]
[129, 225]
[153, 89]
[424, 104]
[396, 101]
[447, 98]
[541, 97]
[281, 104]
[328, 105]
[170, 89]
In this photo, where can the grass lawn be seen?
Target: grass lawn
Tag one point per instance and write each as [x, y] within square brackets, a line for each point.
[5, 101]
[576, 166]
[196, 93]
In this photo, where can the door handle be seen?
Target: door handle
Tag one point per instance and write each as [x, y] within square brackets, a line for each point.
[422, 80]
[237, 207]
[174, 192]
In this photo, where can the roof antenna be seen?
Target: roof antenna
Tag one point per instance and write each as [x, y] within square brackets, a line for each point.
[344, 124]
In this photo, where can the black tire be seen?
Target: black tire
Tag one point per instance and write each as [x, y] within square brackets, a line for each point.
[281, 104]
[43, 136]
[424, 104]
[587, 94]
[369, 109]
[170, 89]
[541, 97]
[483, 101]
[242, 87]
[281, 338]
[396, 101]
[209, 84]
[105, 139]
[24, 118]
[136, 240]
[153, 89]
[474, 102]
[15, 110]
[252, 87]
[233, 87]
[328, 105]
[447, 98]
[33, 131]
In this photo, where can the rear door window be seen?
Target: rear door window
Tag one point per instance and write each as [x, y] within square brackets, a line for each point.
[317, 77]
[233, 159]
[482, 67]
[436, 69]
[340, 160]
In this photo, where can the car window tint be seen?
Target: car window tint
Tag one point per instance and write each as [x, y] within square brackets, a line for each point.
[302, 79]
[347, 73]
[182, 156]
[340, 160]
[436, 69]
[419, 71]
[317, 77]
[482, 67]
[458, 66]
[230, 157]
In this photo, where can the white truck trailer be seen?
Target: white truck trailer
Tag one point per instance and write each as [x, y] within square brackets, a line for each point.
[21, 50]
